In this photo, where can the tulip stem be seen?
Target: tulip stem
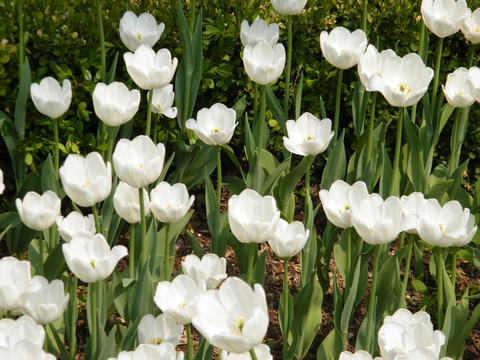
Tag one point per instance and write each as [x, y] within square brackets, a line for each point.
[457, 138]
[93, 316]
[261, 118]
[97, 220]
[440, 267]
[285, 307]
[406, 271]
[155, 128]
[56, 155]
[40, 250]
[289, 66]
[143, 230]
[348, 264]
[369, 347]
[149, 113]
[251, 257]
[167, 252]
[454, 268]
[219, 175]
[131, 251]
[371, 126]
[437, 72]
[21, 50]
[396, 160]
[473, 51]
[337, 104]
[189, 342]
[103, 70]
[253, 355]
[307, 190]
[111, 140]
[255, 98]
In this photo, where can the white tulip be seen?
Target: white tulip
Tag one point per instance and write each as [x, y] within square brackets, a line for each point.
[342, 48]
[2, 185]
[49, 98]
[25, 350]
[210, 269]
[162, 101]
[289, 239]
[262, 351]
[358, 355]
[471, 27]
[23, 329]
[170, 203]
[458, 91]
[39, 212]
[75, 224]
[289, 7]
[159, 330]
[127, 203]
[473, 79]
[372, 62]
[164, 351]
[135, 31]
[410, 209]
[259, 31]
[263, 62]
[444, 17]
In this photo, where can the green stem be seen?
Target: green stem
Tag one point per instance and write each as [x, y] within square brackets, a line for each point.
[219, 175]
[437, 72]
[186, 103]
[401, 240]
[155, 128]
[40, 251]
[143, 230]
[97, 219]
[364, 16]
[253, 355]
[251, 258]
[93, 316]
[457, 138]
[167, 253]
[103, 70]
[440, 267]
[111, 141]
[407, 267]
[288, 66]
[348, 264]
[131, 251]
[189, 342]
[337, 103]
[473, 50]
[56, 156]
[307, 189]
[454, 268]
[255, 98]
[261, 118]
[286, 291]
[149, 113]
[398, 149]
[371, 304]
[21, 45]
[192, 15]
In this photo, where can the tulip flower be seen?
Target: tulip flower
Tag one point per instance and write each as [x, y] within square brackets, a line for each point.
[15, 283]
[159, 330]
[289, 7]
[75, 224]
[150, 70]
[127, 204]
[263, 62]
[87, 181]
[49, 98]
[25, 350]
[177, 298]
[444, 17]
[114, 104]
[164, 351]
[404, 335]
[162, 101]
[337, 201]
[135, 31]
[358, 355]
[39, 212]
[24, 329]
[289, 239]
[447, 225]
[372, 62]
[170, 203]
[90, 258]
[214, 126]
[262, 352]
[2, 185]
[234, 317]
[458, 91]
[410, 209]
[138, 162]
[210, 269]
[342, 48]
[377, 221]
[471, 27]
[473, 79]
[308, 135]
[258, 32]
[48, 303]
[253, 218]
[403, 81]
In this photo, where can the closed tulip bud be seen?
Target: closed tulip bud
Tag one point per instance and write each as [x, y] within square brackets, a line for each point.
[342, 48]
[39, 212]
[49, 98]
[289, 239]
[170, 203]
[263, 62]
[135, 31]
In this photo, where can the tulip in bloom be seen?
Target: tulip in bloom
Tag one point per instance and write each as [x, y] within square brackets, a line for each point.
[210, 269]
[138, 162]
[15, 284]
[234, 317]
[342, 48]
[258, 32]
[444, 17]
[159, 330]
[170, 203]
[289, 7]
[127, 204]
[150, 70]
[162, 101]
[164, 351]
[358, 355]
[447, 225]
[214, 126]
[25, 350]
[409, 336]
[135, 31]
[253, 218]
[263, 62]
[473, 79]
[2, 185]
[338, 200]
[471, 27]
[75, 224]
[410, 209]
[88, 180]
[372, 62]
[262, 351]
[23, 329]
[114, 104]
[48, 303]
[403, 81]
[90, 258]
[177, 298]
[377, 221]
[289, 239]
[39, 212]
[457, 89]
[49, 98]
[308, 135]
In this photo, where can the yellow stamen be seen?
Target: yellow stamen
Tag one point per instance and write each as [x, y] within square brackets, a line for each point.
[237, 325]
[139, 36]
[157, 341]
[86, 184]
[215, 131]
[92, 263]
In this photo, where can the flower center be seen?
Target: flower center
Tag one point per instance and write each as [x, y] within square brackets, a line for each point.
[237, 325]
[86, 184]
[160, 107]
[309, 137]
[139, 36]
[443, 228]
[458, 93]
[182, 305]
[346, 207]
[215, 131]
[92, 263]
[403, 87]
[157, 341]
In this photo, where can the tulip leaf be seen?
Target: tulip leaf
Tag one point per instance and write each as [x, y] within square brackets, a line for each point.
[273, 177]
[286, 310]
[276, 108]
[250, 143]
[415, 166]
[240, 106]
[259, 269]
[204, 350]
[50, 330]
[350, 301]
[142, 302]
[55, 264]
[231, 154]
[71, 313]
[331, 346]
[359, 107]
[48, 179]
[9, 219]
[298, 97]
[336, 164]
[113, 69]
[196, 246]
[109, 347]
[256, 174]
[22, 98]
[386, 177]
[213, 214]
[128, 341]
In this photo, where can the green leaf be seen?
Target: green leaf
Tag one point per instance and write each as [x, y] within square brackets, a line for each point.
[298, 98]
[22, 98]
[289, 182]
[276, 108]
[48, 179]
[142, 302]
[231, 154]
[336, 164]
[331, 346]
[54, 264]
[109, 347]
[196, 246]
[270, 181]
[259, 269]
